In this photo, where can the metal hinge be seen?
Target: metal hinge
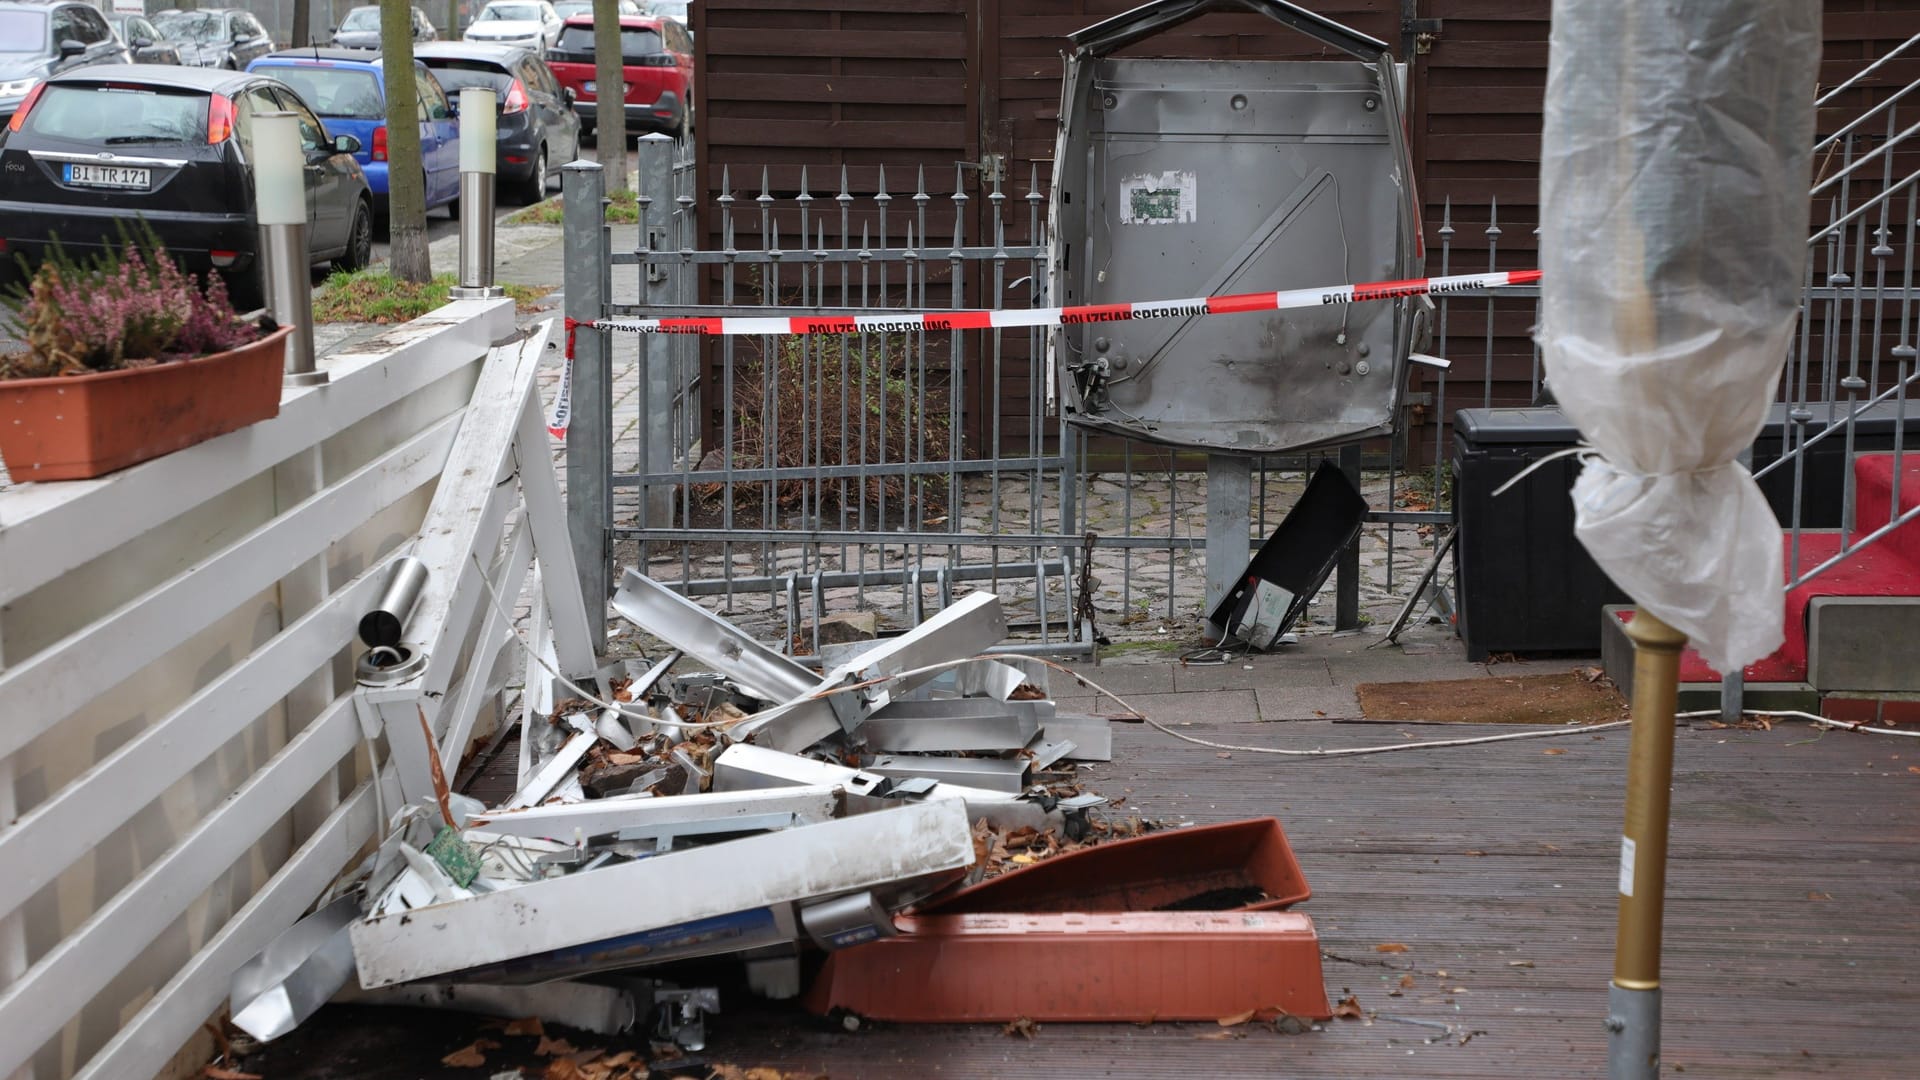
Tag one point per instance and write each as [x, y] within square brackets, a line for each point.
[991, 167]
[1424, 32]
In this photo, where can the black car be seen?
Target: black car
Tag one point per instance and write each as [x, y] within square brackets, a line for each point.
[537, 131]
[39, 39]
[93, 149]
[148, 45]
[215, 37]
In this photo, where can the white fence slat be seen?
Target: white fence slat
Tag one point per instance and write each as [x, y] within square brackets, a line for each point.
[184, 1003]
[540, 486]
[52, 836]
[55, 528]
[64, 677]
[464, 705]
[36, 1007]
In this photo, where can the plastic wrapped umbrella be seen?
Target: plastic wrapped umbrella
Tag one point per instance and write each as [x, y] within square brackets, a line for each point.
[1674, 178]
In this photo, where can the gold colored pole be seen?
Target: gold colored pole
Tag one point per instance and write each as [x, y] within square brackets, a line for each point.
[1633, 1023]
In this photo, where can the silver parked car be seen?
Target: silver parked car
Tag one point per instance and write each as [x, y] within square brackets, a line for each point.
[361, 28]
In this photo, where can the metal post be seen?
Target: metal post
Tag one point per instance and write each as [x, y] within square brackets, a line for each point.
[1633, 1001]
[478, 131]
[583, 189]
[1346, 588]
[655, 182]
[1229, 506]
[1733, 684]
[280, 207]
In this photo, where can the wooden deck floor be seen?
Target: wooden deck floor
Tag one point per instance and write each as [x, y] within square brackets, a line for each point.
[1793, 914]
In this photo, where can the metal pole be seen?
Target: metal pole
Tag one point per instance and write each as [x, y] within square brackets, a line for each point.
[583, 189]
[1346, 608]
[478, 132]
[655, 176]
[1633, 1001]
[1229, 504]
[280, 208]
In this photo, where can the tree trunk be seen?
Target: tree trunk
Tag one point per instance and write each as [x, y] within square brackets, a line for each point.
[610, 117]
[453, 20]
[302, 16]
[406, 171]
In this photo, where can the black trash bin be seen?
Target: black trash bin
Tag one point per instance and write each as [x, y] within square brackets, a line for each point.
[1525, 584]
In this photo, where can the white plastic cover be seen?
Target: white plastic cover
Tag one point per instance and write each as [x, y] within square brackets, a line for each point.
[1673, 191]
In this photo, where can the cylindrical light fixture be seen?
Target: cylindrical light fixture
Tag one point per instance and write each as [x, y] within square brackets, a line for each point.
[478, 119]
[279, 170]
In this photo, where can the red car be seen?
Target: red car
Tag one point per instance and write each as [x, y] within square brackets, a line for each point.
[656, 56]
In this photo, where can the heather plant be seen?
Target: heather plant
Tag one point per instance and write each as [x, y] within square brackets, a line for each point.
[130, 307]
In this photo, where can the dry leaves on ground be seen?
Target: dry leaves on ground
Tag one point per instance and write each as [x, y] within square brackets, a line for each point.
[1348, 1008]
[552, 1047]
[1555, 751]
[758, 1072]
[1520, 963]
[1390, 946]
[215, 1072]
[526, 1025]
[471, 1056]
[1021, 1026]
[1236, 1019]
[1913, 769]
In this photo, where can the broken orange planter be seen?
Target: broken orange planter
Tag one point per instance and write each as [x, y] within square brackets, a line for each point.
[1235, 865]
[1062, 968]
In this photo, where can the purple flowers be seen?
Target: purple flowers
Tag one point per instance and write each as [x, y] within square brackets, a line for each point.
[130, 308]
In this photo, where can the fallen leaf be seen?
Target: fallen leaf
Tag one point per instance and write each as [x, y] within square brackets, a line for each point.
[1348, 1009]
[1441, 973]
[552, 1047]
[1021, 1026]
[1236, 1018]
[1520, 963]
[1819, 896]
[1551, 849]
[1477, 854]
[1390, 946]
[1913, 768]
[1406, 982]
[215, 1072]
[1223, 755]
[526, 1025]
[565, 1069]
[1221, 1036]
[1555, 752]
[1458, 990]
[471, 1056]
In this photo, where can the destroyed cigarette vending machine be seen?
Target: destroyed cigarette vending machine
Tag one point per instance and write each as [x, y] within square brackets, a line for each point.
[1201, 178]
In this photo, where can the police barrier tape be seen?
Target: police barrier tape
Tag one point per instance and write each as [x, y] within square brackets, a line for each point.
[993, 319]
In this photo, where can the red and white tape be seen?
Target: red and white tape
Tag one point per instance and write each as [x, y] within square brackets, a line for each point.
[984, 319]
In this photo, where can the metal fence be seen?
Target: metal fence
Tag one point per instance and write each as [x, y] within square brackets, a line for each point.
[798, 476]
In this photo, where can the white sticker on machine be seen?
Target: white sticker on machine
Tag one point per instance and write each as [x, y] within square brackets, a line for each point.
[1626, 866]
[1167, 198]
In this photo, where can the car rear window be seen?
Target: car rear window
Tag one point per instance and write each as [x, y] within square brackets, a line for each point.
[22, 31]
[117, 116]
[579, 39]
[343, 92]
[455, 74]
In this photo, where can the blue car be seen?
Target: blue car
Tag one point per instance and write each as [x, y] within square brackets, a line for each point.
[348, 89]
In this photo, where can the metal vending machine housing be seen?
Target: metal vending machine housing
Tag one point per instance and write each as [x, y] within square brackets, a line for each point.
[1191, 178]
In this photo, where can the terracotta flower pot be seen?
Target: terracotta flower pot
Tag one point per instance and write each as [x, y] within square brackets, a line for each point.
[74, 427]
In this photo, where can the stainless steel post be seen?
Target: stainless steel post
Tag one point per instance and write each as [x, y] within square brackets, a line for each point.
[583, 189]
[476, 239]
[1229, 525]
[289, 281]
[280, 208]
[478, 138]
[655, 174]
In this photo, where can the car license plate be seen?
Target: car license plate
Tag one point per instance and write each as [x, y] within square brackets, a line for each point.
[113, 176]
[587, 86]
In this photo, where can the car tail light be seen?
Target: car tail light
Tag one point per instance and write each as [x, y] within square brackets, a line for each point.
[221, 258]
[219, 119]
[655, 60]
[20, 114]
[380, 143]
[516, 98]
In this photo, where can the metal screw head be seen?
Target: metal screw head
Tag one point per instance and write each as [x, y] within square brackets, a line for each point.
[1362, 368]
[1370, 103]
[1109, 101]
[1238, 102]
